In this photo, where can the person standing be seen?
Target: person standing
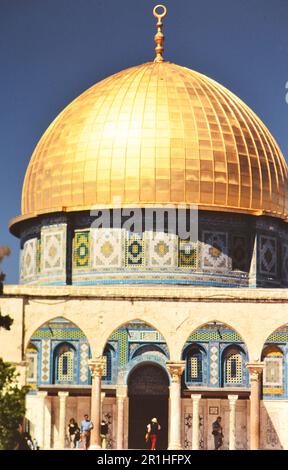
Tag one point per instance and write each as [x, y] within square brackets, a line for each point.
[103, 433]
[24, 441]
[153, 429]
[85, 428]
[73, 432]
[217, 432]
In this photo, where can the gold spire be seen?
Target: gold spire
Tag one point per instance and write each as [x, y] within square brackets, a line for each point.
[159, 36]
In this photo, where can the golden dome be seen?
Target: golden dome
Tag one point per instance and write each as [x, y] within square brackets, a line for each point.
[156, 134]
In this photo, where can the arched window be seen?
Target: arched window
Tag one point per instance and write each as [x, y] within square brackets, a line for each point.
[273, 370]
[32, 364]
[64, 363]
[233, 366]
[107, 372]
[195, 357]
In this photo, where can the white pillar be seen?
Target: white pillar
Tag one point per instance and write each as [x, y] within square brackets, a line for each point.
[41, 429]
[175, 369]
[232, 421]
[121, 394]
[255, 371]
[97, 368]
[62, 418]
[195, 421]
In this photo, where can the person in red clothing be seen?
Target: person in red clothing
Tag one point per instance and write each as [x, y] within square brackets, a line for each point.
[153, 429]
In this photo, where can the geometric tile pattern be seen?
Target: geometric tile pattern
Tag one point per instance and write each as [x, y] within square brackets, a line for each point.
[214, 251]
[81, 249]
[233, 370]
[38, 258]
[29, 256]
[187, 254]
[65, 366]
[134, 250]
[214, 365]
[45, 360]
[268, 255]
[161, 249]
[239, 252]
[284, 257]
[53, 250]
[84, 355]
[194, 367]
[107, 248]
[273, 372]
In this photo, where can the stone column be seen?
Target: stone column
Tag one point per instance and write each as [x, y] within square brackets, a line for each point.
[62, 418]
[195, 421]
[232, 421]
[121, 394]
[41, 429]
[96, 367]
[255, 371]
[175, 369]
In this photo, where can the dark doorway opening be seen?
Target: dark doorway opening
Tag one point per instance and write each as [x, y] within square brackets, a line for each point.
[148, 398]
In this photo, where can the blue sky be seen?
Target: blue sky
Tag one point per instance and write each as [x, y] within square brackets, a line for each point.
[52, 50]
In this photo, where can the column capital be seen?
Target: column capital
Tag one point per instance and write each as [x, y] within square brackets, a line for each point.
[121, 391]
[175, 370]
[196, 396]
[232, 399]
[97, 366]
[103, 395]
[41, 394]
[63, 395]
[255, 370]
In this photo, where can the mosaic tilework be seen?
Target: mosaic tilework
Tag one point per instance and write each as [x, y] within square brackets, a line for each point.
[107, 248]
[53, 249]
[233, 369]
[28, 259]
[273, 372]
[268, 254]
[210, 335]
[285, 262]
[59, 333]
[65, 366]
[81, 251]
[161, 250]
[84, 356]
[194, 367]
[121, 336]
[134, 250]
[214, 365]
[214, 251]
[38, 257]
[239, 252]
[150, 335]
[188, 253]
[45, 360]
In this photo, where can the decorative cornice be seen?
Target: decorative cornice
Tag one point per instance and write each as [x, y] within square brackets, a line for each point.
[142, 293]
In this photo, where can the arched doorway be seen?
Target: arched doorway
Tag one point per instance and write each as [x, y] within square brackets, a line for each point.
[148, 398]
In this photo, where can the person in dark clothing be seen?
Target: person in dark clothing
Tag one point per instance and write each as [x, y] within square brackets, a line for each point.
[24, 441]
[73, 433]
[153, 429]
[103, 433]
[217, 432]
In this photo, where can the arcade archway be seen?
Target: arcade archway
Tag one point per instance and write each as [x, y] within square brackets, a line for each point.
[148, 392]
